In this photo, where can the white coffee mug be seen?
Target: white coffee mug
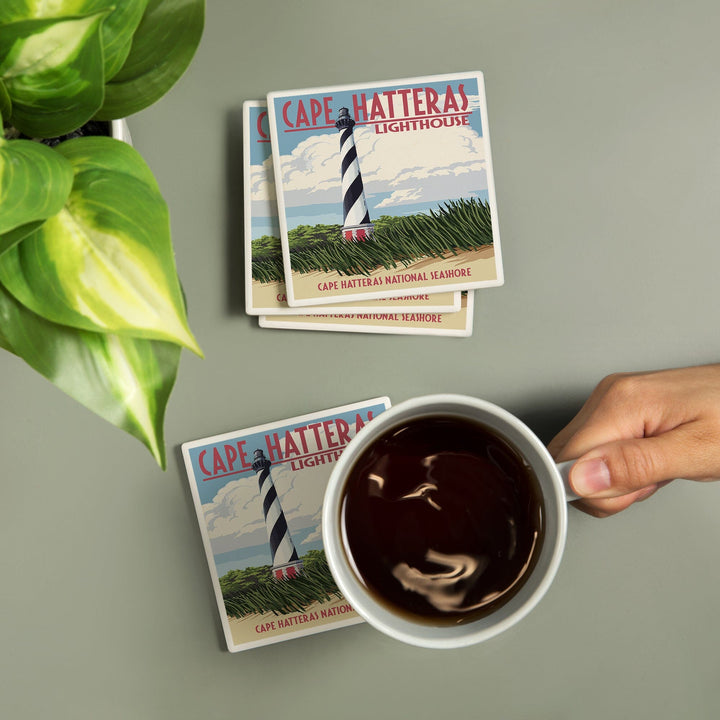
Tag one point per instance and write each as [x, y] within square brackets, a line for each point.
[555, 490]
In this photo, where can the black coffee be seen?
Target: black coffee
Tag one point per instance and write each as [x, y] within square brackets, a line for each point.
[443, 519]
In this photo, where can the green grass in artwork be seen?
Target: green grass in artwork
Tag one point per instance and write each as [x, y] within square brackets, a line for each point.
[457, 226]
[255, 590]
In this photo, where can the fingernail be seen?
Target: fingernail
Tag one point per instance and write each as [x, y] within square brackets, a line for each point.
[590, 477]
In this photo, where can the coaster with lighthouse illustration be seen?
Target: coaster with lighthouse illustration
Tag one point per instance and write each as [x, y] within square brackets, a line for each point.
[264, 272]
[385, 189]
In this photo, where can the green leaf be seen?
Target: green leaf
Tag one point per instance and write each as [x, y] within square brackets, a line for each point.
[124, 380]
[14, 236]
[117, 30]
[5, 104]
[4, 342]
[101, 152]
[163, 46]
[12, 10]
[105, 262]
[52, 71]
[35, 182]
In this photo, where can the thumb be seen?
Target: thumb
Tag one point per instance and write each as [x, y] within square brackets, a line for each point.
[625, 466]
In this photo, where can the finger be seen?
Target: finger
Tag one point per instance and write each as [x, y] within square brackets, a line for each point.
[594, 429]
[597, 429]
[605, 507]
[558, 444]
[565, 443]
[624, 466]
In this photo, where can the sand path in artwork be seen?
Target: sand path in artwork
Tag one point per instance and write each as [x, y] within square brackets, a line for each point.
[259, 627]
[471, 266]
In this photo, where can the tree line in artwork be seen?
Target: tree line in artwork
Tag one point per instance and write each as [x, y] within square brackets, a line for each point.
[256, 590]
[457, 226]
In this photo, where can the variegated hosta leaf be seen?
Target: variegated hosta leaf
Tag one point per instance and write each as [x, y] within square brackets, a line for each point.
[52, 71]
[35, 182]
[105, 262]
[117, 30]
[163, 46]
[125, 380]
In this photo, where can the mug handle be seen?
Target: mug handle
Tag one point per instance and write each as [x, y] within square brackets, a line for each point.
[564, 470]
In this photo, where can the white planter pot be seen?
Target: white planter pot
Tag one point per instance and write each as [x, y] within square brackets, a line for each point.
[120, 131]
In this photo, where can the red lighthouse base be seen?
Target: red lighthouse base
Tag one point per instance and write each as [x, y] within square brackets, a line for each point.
[358, 233]
[288, 571]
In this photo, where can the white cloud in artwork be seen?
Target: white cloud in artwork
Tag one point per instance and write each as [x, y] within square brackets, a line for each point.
[311, 173]
[234, 517]
[262, 190]
[316, 533]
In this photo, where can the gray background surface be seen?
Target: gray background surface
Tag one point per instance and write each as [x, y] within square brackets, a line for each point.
[605, 128]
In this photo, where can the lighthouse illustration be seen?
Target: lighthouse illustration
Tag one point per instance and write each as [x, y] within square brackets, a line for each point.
[285, 560]
[356, 219]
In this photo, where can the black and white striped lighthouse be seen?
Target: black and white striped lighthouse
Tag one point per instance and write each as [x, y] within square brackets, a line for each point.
[356, 219]
[285, 560]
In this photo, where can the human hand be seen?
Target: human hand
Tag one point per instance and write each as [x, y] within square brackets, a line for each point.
[639, 431]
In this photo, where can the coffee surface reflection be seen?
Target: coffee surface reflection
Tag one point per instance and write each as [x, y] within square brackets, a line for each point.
[442, 519]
